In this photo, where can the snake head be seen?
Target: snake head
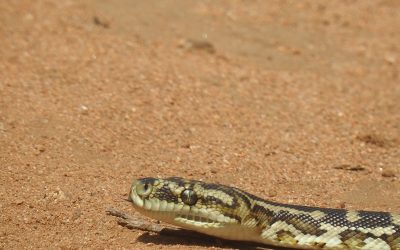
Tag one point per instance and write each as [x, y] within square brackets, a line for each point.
[185, 203]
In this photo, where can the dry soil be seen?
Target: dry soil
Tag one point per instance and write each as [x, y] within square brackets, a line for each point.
[295, 101]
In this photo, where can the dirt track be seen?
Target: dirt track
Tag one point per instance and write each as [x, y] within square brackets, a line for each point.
[297, 102]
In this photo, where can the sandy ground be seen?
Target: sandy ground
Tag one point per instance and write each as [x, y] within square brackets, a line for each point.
[297, 102]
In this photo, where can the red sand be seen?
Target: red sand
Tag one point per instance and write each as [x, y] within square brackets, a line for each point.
[297, 102]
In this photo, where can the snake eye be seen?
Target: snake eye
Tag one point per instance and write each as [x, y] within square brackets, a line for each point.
[144, 188]
[189, 197]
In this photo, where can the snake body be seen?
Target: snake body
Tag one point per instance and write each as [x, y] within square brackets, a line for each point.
[233, 214]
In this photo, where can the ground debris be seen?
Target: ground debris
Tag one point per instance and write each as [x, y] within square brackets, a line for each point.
[349, 167]
[192, 44]
[136, 223]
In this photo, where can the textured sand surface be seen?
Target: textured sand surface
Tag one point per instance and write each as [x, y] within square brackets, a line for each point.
[297, 102]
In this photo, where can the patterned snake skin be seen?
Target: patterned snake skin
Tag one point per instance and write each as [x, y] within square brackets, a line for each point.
[233, 214]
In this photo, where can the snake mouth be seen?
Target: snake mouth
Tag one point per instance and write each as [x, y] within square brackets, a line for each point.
[198, 221]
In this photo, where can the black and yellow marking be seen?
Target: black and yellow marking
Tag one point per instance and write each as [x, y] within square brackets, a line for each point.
[232, 213]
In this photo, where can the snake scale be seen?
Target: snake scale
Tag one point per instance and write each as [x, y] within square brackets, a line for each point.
[233, 214]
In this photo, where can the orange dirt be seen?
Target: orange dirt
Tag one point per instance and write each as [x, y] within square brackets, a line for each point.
[297, 102]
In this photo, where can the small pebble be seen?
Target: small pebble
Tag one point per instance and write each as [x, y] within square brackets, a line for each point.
[214, 170]
[190, 44]
[388, 173]
[19, 202]
[76, 214]
[272, 193]
[84, 110]
[101, 21]
[390, 58]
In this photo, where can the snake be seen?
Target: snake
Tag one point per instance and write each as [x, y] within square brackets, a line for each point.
[233, 214]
